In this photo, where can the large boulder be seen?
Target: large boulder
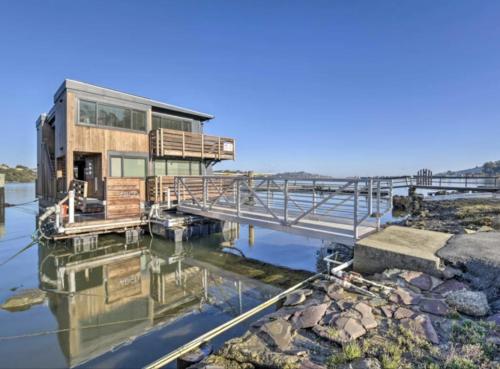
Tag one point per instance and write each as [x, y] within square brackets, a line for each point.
[472, 303]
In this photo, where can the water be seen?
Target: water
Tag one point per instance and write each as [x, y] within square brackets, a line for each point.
[127, 305]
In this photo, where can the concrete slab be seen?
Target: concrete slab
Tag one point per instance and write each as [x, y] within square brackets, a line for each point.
[400, 247]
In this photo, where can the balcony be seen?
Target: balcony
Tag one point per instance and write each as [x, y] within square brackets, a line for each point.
[167, 142]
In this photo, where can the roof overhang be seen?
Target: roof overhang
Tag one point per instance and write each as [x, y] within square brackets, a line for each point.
[70, 84]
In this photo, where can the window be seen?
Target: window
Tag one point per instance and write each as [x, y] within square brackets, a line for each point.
[138, 120]
[111, 116]
[125, 166]
[87, 112]
[116, 167]
[134, 167]
[168, 122]
[160, 168]
[177, 168]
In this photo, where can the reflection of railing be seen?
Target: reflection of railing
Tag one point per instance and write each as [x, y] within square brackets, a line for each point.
[316, 205]
[169, 142]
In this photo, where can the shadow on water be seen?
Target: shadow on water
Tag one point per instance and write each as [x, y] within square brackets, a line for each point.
[125, 305]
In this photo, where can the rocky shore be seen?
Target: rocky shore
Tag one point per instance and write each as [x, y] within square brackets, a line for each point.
[451, 216]
[410, 320]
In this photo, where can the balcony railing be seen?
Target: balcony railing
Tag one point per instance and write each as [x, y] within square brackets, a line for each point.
[169, 142]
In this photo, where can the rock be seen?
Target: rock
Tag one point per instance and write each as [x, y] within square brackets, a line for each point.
[279, 332]
[195, 356]
[403, 313]
[367, 319]
[308, 364]
[495, 305]
[310, 316]
[404, 296]
[369, 322]
[387, 310]
[469, 231]
[486, 229]
[377, 302]
[24, 299]
[297, 297]
[349, 328]
[362, 364]
[450, 286]
[449, 272]
[495, 318]
[433, 306]
[422, 327]
[472, 303]
[421, 280]
[334, 291]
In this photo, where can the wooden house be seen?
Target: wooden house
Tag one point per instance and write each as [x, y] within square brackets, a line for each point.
[103, 143]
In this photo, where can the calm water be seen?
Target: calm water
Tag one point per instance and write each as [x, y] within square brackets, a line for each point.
[126, 305]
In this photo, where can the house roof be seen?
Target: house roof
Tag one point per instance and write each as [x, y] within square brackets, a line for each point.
[90, 88]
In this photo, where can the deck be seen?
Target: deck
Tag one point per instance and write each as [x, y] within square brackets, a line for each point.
[173, 143]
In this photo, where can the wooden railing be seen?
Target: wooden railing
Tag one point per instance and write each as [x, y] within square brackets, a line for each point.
[165, 189]
[169, 142]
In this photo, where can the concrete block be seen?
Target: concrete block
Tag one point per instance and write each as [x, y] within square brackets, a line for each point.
[402, 248]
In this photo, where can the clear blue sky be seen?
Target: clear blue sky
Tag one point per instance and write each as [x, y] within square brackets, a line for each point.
[332, 87]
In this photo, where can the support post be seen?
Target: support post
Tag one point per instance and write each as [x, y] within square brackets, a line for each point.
[370, 197]
[355, 217]
[314, 197]
[238, 198]
[285, 196]
[169, 202]
[204, 179]
[378, 204]
[71, 205]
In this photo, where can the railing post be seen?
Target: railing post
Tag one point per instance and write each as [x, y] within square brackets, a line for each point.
[355, 218]
[370, 196]
[390, 196]
[268, 193]
[238, 198]
[285, 195]
[71, 205]
[204, 179]
[169, 203]
[314, 196]
[378, 204]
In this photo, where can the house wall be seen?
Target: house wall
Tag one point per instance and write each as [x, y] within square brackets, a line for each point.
[88, 139]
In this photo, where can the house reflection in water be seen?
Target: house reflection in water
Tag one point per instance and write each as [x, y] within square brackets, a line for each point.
[113, 292]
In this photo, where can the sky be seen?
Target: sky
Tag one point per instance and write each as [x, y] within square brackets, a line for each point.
[333, 87]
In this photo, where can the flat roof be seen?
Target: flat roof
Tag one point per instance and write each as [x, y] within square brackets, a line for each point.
[90, 88]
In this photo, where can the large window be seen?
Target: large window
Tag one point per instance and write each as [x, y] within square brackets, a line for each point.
[168, 122]
[105, 115]
[127, 166]
[88, 112]
[177, 168]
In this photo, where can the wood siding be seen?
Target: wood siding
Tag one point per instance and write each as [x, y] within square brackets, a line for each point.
[123, 198]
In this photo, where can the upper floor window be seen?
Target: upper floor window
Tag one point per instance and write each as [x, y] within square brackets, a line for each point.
[169, 122]
[105, 115]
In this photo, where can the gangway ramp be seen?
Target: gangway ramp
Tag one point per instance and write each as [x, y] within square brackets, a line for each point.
[341, 210]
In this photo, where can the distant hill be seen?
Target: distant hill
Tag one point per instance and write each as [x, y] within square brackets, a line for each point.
[19, 173]
[490, 168]
[284, 174]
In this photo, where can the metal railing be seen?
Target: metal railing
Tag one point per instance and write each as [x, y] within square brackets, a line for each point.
[336, 205]
[472, 183]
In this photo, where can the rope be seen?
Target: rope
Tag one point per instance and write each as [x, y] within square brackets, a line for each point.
[55, 331]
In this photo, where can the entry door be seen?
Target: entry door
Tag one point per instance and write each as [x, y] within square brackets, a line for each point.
[93, 176]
